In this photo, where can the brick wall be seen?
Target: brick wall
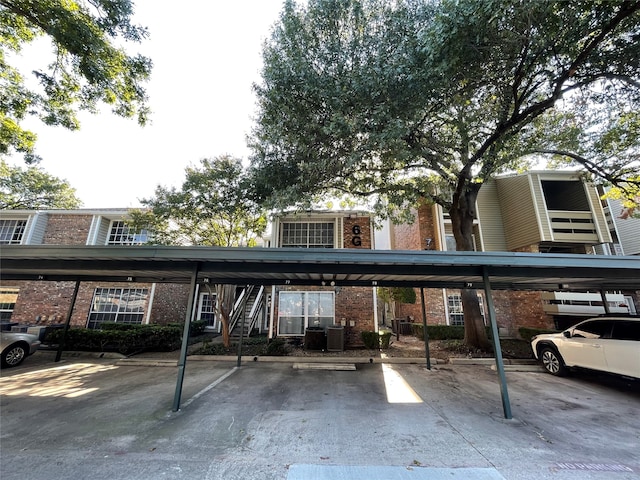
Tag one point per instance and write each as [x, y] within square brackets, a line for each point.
[169, 303]
[356, 232]
[51, 300]
[43, 302]
[67, 229]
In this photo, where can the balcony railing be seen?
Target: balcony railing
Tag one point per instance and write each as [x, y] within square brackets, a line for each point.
[573, 226]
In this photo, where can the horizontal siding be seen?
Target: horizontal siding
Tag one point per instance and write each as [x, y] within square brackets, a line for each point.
[628, 230]
[519, 216]
[490, 219]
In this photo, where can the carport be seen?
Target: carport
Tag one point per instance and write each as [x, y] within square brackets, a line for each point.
[344, 267]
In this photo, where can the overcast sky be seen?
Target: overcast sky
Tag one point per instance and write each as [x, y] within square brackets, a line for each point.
[206, 55]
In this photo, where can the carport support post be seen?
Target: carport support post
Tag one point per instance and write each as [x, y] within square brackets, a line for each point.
[68, 321]
[424, 329]
[506, 405]
[185, 339]
[603, 294]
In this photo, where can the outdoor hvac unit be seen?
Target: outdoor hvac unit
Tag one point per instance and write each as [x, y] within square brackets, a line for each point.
[335, 338]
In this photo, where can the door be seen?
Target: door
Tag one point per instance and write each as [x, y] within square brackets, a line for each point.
[585, 346]
[622, 351]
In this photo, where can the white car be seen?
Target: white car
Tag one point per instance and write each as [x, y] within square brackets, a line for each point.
[16, 347]
[607, 344]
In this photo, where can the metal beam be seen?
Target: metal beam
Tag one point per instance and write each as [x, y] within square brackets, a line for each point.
[193, 292]
[506, 404]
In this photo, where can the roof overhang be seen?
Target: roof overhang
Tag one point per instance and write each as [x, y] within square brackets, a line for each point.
[343, 267]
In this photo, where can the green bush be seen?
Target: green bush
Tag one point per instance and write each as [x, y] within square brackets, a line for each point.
[371, 340]
[259, 345]
[376, 340]
[123, 340]
[385, 338]
[197, 327]
[526, 333]
[439, 332]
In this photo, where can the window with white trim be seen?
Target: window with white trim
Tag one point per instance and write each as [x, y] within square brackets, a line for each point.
[308, 234]
[456, 313]
[8, 299]
[12, 231]
[207, 311]
[119, 305]
[122, 234]
[300, 310]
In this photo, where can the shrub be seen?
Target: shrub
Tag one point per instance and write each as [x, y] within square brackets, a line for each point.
[527, 333]
[439, 332]
[197, 327]
[376, 340]
[385, 338]
[125, 340]
[371, 340]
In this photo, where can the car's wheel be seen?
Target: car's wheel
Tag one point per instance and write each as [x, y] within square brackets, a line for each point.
[14, 354]
[552, 361]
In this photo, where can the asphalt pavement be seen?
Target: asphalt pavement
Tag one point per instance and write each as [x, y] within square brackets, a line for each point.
[89, 417]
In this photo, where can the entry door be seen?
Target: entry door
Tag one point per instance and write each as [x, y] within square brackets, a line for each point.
[585, 347]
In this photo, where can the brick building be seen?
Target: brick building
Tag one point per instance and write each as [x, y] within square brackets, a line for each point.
[543, 211]
[291, 312]
[296, 308]
[45, 303]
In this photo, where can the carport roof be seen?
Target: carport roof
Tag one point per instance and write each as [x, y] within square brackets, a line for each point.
[344, 267]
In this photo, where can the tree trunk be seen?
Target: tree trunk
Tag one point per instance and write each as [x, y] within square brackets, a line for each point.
[462, 214]
[225, 298]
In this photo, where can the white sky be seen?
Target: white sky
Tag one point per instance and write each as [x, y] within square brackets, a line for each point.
[206, 56]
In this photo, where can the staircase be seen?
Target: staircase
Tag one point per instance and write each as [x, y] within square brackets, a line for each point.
[249, 307]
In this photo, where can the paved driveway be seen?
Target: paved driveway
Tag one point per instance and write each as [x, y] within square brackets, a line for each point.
[88, 418]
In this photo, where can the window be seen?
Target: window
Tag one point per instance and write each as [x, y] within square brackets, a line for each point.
[12, 231]
[122, 234]
[120, 305]
[8, 298]
[595, 329]
[626, 330]
[456, 314]
[207, 311]
[308, 234]
[299, 310]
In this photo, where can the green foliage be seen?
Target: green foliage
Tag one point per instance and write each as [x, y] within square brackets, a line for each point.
[371, 340]
[438, 332]
[33, 188]
[211, 208]
[122, 339]
[385, 338]
[255, 346]
[376, 340]
[401, 102]
[197, 327]
[88, 65]
[527, 333]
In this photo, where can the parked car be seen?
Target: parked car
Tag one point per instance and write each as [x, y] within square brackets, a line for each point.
[15, 347]
[607, 344]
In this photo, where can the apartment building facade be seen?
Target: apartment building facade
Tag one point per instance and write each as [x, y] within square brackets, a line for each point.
[536, 212]
[285, 311]
[47, 303]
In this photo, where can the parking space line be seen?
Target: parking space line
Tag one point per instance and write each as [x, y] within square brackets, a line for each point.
[209, 387]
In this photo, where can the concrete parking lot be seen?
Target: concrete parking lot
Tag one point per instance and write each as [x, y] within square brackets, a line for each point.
[100, 418]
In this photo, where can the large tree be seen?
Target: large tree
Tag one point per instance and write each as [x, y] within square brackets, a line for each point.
[402, 101]
[33, 188]
[88, 65]
[211, 208]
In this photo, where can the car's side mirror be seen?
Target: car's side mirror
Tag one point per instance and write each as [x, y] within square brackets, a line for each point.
[567, 333]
